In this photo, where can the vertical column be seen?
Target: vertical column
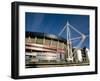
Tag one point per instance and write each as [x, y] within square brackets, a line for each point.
[51, 43]
[35, 39]
[44, 41]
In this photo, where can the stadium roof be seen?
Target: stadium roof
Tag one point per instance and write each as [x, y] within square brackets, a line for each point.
[45, 35]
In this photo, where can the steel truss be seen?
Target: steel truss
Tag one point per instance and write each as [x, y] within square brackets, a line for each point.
[82, 36]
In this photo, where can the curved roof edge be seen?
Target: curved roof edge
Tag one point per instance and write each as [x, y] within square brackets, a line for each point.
[46, 35]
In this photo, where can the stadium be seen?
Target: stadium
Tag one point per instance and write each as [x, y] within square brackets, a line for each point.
[49, 49]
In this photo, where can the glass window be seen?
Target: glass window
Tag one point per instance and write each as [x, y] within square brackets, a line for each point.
[39, 41]
[33, 40]
[26, 40]
[65, 45]
[47, 41]
[29, 40]
[61, 45]
[54, 43]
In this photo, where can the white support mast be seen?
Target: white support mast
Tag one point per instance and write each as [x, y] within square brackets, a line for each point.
[67, 28]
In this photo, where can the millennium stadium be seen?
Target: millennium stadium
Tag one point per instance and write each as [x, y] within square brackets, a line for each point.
[49, 50]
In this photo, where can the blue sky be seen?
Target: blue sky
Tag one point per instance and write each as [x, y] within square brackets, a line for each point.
[53, 24]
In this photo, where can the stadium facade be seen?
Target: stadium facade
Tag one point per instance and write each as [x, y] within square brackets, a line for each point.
[48, 48]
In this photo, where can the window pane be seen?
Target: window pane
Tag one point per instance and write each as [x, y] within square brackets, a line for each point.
[33, 40]
[47, 41]
[27, 40]
[39, 41]
[30, 40]
[65, 45]
[61, 45]
[54, 43]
